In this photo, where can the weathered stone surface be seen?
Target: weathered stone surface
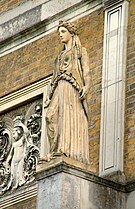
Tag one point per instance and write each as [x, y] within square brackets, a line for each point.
[131, 200]
[20, 23]
[49, 192]
[64, 186]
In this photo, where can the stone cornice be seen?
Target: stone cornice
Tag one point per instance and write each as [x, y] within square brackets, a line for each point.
[129, 187]
[29, 22]
[67, 165]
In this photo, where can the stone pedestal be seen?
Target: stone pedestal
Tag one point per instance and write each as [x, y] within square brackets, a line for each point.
[67, 184]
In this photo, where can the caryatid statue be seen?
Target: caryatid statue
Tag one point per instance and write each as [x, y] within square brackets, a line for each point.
[67, 115]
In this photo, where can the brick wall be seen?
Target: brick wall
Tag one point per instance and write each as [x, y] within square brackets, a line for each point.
[92, 38]
[36, 60]
[28, 64]
[8, 4]
[130, 98]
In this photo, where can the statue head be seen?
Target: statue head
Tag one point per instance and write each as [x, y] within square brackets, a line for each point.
[71, 31]
[72, 28]
[19, 128]
[17, 133]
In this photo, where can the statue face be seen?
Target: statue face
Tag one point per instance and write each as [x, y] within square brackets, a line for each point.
[65, 35]
[15, 134]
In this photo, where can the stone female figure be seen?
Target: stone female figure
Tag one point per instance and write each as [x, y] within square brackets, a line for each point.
[67, 117]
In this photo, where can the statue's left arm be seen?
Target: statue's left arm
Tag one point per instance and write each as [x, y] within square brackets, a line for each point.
[49, 89]
[85, 73]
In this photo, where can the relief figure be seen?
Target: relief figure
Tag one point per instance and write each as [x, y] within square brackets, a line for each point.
[15, 159]
[67, 114]
[19, 147]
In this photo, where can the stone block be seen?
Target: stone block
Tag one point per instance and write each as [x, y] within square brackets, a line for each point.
[65, 184]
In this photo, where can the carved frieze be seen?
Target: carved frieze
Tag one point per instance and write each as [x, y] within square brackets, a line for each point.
[19, 146]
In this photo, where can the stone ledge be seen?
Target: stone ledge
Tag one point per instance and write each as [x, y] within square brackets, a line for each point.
[73, 167]
[60, 161]
[34, 23]
[129, 187]
[23, 193]
[31, 15]
[20, 23]
[67, 186]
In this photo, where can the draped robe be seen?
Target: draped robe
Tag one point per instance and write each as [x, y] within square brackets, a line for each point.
[66, 118]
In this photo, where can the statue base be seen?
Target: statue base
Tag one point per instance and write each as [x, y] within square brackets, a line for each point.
[64, 183]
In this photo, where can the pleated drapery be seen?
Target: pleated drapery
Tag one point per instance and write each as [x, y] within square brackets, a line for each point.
[67, 124]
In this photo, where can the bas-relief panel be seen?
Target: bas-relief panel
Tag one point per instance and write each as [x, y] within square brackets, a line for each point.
[20, 132]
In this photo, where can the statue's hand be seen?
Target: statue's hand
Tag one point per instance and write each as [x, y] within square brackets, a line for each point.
[84, 92]
[47, 102]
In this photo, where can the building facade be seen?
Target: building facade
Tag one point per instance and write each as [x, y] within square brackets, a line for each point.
[29, 45]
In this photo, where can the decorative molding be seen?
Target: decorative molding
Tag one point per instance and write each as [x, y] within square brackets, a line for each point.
[113, 89]
[76, 168]
[22, 194]
[108, 3]
[20, 31]
[73, 167]
[26, 94]
[23, 94]
[14, 12]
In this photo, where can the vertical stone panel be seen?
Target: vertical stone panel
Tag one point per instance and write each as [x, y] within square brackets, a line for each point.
[113, 89]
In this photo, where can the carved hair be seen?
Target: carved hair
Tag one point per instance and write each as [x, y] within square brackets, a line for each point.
[72, 28]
